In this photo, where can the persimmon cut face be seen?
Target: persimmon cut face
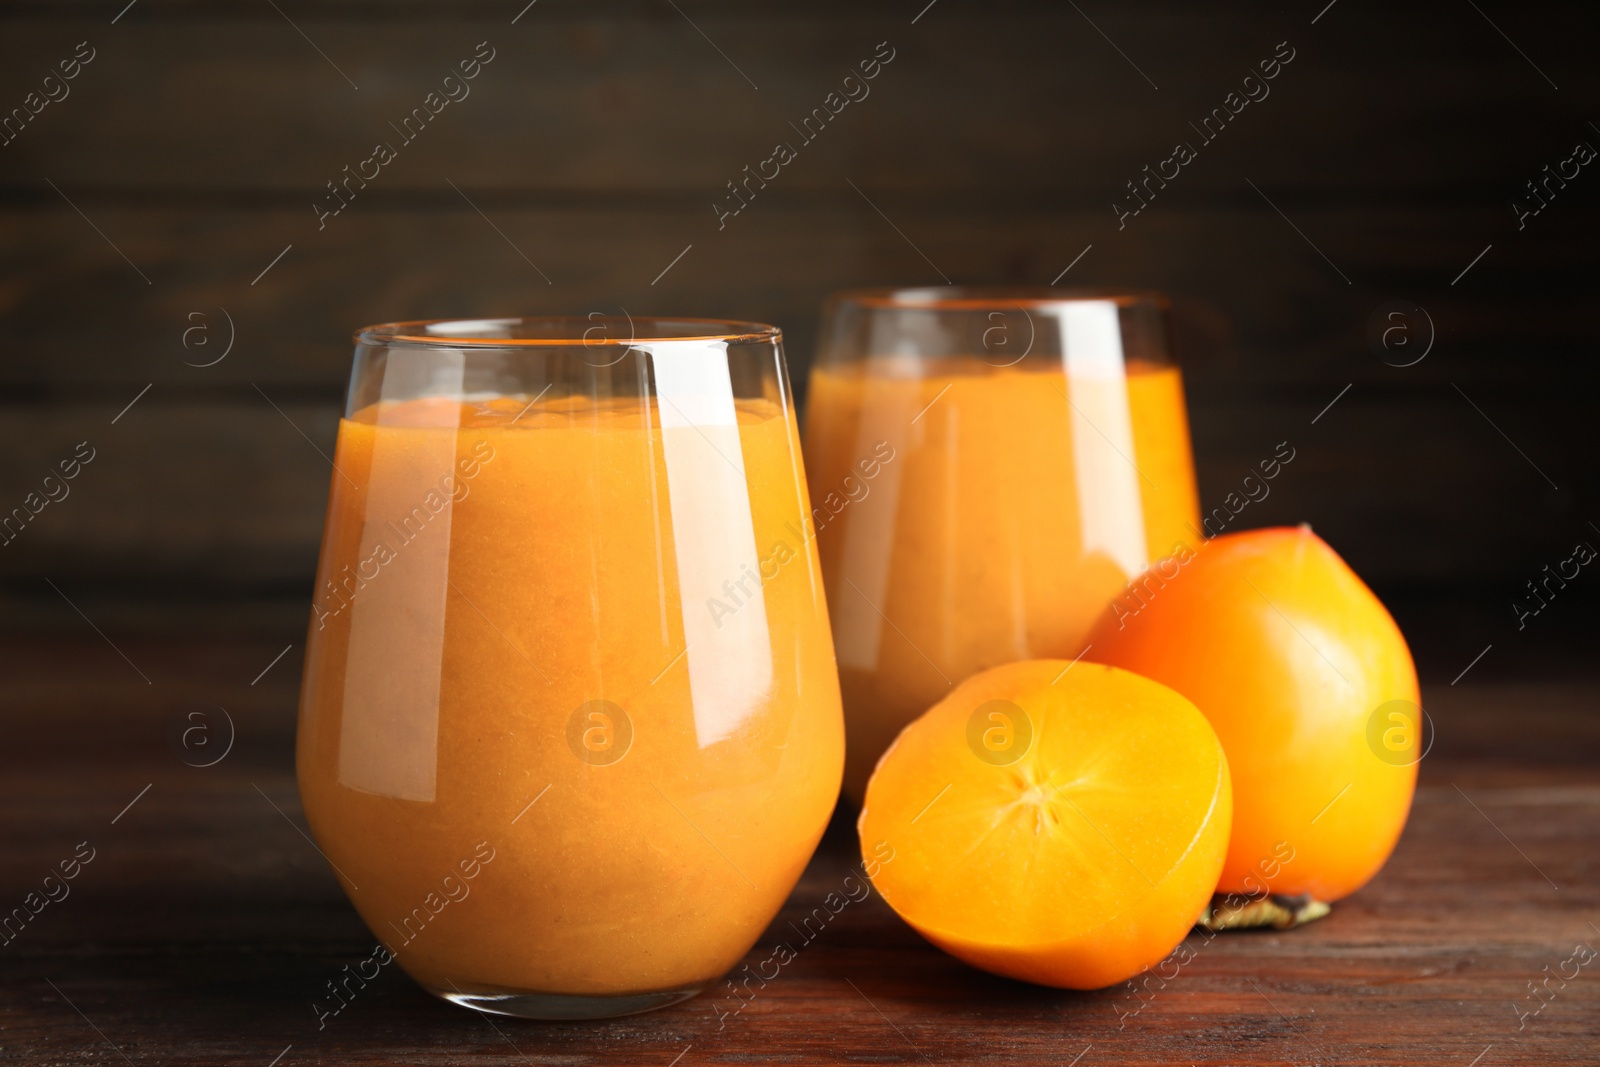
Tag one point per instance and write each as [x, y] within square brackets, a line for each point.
[1063, 824]
[1308, 683]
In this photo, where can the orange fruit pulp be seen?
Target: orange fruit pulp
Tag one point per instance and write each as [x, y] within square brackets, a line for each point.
[1062, 824]
[1311, 688]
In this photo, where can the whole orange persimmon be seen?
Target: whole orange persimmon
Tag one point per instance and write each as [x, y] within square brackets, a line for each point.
[1310, 687]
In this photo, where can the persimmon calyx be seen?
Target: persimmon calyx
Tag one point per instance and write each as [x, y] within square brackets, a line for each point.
[1228, 911]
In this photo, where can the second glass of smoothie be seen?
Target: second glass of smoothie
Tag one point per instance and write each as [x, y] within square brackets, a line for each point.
[988, 469]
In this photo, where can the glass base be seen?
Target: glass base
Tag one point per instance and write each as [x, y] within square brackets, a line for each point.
[568, 1006]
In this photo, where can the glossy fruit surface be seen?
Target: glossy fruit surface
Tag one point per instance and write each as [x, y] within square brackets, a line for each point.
[1063, 824]
[1311, 688]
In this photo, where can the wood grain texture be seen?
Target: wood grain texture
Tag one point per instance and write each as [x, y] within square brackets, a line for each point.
[632, 97]
[232, 498]
[991, 148]
[212, 485]
[206, 924]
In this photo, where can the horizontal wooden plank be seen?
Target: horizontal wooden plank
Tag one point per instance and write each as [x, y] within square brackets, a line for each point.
[1257, 305]
[207, 924]
[1022, 99]
[197, 499]
[228, 498]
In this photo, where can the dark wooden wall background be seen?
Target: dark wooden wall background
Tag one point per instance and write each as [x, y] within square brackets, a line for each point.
[196, 141]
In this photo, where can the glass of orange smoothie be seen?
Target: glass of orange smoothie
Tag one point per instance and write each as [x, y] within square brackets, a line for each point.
[990, 468]
[570, 723]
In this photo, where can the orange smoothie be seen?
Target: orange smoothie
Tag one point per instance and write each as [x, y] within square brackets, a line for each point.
[570, 722]
[1019, 501]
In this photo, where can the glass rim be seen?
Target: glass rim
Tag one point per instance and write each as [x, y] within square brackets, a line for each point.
[477, 333]
[984, 297]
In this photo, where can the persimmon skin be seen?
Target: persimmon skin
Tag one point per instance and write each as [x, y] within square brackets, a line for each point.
[1289, 655]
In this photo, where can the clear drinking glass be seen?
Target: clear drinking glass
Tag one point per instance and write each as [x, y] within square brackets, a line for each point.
[569, 728]
[990, 467]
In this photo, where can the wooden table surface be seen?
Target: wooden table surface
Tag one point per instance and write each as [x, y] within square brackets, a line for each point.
[206, 924]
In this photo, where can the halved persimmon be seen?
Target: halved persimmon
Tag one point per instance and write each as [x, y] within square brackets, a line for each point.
[1059, 823]
[1311, 688]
